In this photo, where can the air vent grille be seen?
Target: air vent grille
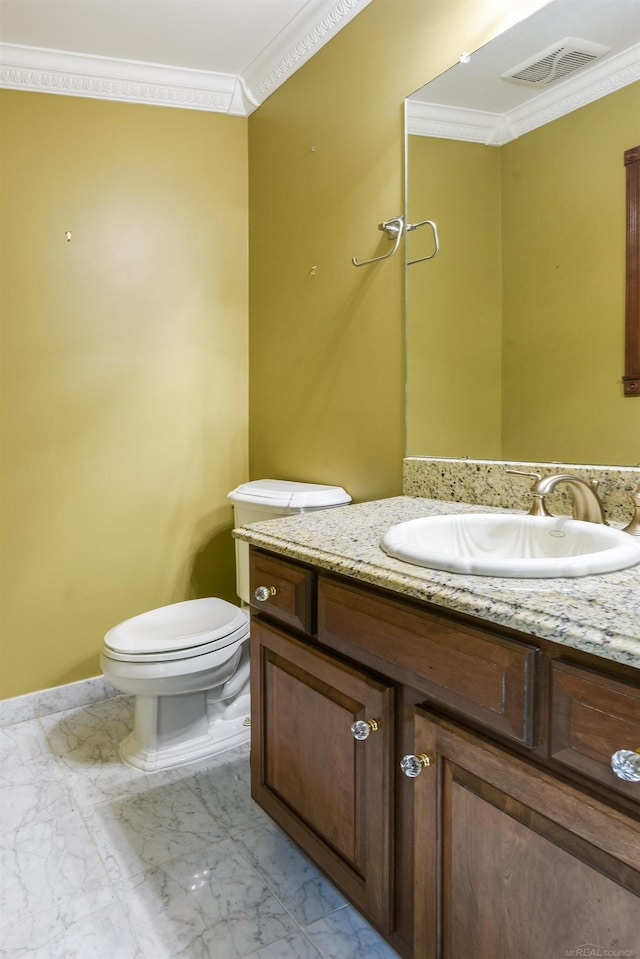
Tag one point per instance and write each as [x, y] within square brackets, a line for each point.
[556, 62]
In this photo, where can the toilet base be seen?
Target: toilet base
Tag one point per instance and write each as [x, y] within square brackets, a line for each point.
[204, 729]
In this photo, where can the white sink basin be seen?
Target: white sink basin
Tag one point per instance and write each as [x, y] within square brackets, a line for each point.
[505, 544]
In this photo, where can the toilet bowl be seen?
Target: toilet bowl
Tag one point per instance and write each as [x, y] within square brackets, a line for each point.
[187, 664]
[188, 667]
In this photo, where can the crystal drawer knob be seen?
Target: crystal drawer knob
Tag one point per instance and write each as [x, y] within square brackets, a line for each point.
[626, 764]
[412, 766]
[263, 593]
[362, 728]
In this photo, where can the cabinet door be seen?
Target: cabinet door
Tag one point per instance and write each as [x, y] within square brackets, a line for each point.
[510, 862]
[329, 792]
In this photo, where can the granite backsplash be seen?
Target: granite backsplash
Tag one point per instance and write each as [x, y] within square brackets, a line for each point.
[487, 482]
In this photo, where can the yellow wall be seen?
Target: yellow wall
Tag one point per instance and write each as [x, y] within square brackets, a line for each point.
[326, 350]
[564, 302]
[124, 370]
[125, 350]
[454, 322]
[516, 330]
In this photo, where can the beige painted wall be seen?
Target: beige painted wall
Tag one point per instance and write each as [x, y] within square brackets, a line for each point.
[326, 167]
[124, 370]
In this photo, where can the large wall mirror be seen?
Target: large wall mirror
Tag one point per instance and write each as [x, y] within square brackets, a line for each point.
[516, 330]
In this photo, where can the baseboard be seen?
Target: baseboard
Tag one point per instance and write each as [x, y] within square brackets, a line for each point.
[54, 700]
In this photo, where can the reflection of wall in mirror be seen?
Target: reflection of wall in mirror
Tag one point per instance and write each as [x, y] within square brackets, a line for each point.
[516, 330]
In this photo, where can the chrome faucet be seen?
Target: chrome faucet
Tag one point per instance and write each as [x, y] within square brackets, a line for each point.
[587, 505]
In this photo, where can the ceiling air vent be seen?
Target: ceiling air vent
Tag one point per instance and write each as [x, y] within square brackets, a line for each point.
[556, 62]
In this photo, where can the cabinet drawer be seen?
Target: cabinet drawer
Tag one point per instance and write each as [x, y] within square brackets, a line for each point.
[292, 590]
[476, 673]
[592, 716]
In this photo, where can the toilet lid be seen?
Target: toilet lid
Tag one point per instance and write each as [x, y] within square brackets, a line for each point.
[186, 626]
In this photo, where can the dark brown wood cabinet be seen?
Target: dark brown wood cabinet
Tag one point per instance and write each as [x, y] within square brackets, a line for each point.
[328, 791]
[592, 716]
[516, 841]
[464, 667]
[511, 861]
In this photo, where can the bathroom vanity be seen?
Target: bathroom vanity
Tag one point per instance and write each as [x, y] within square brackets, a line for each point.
[506, 833]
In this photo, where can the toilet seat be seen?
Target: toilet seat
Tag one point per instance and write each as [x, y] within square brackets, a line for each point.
[184, 630]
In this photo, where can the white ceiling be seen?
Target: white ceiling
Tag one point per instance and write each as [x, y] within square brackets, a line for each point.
[230, 55]
[223, 55]
[472, 101]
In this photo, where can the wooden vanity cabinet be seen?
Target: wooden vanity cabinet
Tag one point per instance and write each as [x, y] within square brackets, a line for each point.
[330, 793]
[511, 861]
[475, 672]
[593, 715]
[290, 591]
[516, 841]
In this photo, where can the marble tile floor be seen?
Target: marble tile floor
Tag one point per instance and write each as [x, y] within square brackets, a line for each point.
[99, 861]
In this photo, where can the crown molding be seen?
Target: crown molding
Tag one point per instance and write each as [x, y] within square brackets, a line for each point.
[495, 129]
[105, 78]
[304, 37]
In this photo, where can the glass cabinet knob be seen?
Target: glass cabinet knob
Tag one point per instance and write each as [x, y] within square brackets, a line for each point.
[362, 728]
[412, 766]
[263, 593]
[626, 764]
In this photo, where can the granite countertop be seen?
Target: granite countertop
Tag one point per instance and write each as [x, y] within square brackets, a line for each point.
[597, 614]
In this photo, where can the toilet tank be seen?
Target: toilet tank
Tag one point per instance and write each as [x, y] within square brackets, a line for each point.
[268, 499]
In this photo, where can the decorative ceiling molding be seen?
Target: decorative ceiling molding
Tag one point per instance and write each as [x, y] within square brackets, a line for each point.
[104, 78]
[493, 129]
[297, 45]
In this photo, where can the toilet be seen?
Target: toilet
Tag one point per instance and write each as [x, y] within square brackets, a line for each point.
[187, 664]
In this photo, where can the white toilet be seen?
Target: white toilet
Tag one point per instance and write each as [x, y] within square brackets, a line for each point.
[188, 664]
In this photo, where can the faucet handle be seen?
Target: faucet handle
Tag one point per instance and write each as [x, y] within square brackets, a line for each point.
[538, 507]
[634, 526]
[535, 476]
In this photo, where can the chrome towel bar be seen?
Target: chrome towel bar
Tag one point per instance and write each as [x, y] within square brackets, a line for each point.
[394, 228]
[436, 250]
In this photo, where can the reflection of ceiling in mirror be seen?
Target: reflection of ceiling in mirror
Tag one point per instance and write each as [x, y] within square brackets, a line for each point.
[599, 41]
